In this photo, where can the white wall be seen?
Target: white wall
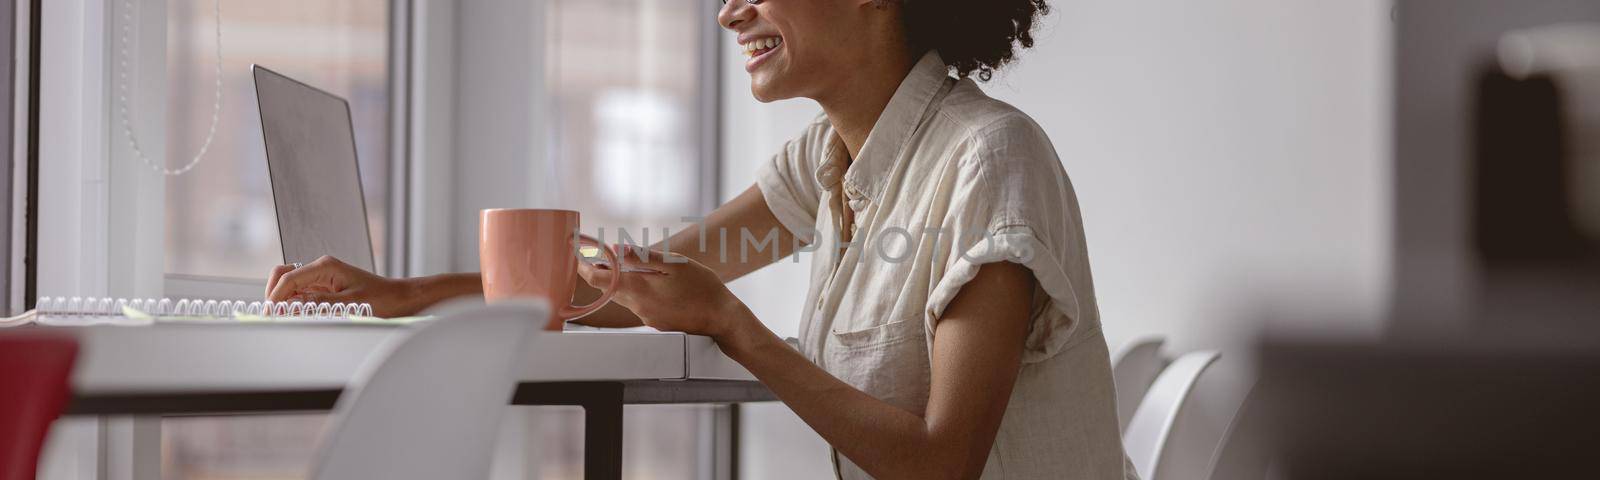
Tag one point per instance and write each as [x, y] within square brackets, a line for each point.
[1231, 156]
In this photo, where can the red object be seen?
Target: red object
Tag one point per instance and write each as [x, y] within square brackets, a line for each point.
[34, 371]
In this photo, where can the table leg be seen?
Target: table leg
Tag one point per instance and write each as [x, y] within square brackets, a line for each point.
[131, 448]
[602, 440]
[733, 441]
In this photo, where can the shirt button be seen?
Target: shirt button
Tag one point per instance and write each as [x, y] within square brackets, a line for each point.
[829, 176]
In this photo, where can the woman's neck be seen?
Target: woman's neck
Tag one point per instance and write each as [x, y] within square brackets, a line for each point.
[854, 105]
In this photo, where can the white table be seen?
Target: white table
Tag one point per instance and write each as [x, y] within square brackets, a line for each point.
[209, 369]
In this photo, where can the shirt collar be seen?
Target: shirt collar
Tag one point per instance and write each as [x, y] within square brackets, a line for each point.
[890, 135]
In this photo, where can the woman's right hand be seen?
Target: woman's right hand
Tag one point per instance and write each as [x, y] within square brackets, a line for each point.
[329, 280]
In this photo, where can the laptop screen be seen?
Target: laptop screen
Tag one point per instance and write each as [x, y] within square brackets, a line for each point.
[316, 182]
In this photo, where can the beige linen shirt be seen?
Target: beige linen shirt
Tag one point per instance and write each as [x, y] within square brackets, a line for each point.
[949, 180]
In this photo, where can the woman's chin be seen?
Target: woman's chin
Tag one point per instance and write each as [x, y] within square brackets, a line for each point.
[765, 92]
[761, 95]
[778, 80]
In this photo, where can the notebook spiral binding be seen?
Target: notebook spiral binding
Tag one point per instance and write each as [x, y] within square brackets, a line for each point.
[166, 307]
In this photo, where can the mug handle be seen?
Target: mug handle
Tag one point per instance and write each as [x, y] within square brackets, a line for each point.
[570, 312]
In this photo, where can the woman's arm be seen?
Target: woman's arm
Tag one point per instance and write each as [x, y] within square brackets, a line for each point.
[977, 353]
[329, 280]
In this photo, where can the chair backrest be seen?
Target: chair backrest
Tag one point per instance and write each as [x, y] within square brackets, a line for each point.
[1242, 453]
[431, 406]
[34, 372]
[1150, 428]
[1133, 371]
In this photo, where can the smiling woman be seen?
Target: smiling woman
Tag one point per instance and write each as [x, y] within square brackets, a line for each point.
[974, 353]
[892, 351]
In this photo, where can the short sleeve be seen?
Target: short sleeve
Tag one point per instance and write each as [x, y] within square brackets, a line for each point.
[1011, 201]
[788, 182]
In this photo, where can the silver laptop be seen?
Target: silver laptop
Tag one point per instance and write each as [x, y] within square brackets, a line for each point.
[316, 182]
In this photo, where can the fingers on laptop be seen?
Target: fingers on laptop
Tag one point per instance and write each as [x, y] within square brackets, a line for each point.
[322, 275]
[272, 279]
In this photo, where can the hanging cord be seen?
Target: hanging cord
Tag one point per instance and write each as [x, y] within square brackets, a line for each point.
[122, 95]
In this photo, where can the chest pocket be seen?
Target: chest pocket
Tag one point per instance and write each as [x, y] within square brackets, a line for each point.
[888, 361]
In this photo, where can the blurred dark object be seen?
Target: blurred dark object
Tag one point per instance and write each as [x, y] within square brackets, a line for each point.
[1448, 410]
[1525, 212]
[1497, 188]
[1534, 183]
[1537, 178]
[1491, 365]
[34, 370]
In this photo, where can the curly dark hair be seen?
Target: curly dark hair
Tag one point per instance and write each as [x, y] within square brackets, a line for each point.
[974, 36]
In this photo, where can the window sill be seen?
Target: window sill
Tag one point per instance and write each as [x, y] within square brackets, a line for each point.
[213, 288]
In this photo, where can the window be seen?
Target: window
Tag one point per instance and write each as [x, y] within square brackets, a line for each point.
[220, 220]
[632, 104]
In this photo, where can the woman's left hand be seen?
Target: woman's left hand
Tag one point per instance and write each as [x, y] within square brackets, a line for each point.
[675, 294]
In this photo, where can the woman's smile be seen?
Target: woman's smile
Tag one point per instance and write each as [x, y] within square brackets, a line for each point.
[759, 48]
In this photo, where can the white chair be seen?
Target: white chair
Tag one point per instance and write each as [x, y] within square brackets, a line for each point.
[1134, 369]
[1242, 453]
[1148, 432]
[430, 407]
[1204, 423]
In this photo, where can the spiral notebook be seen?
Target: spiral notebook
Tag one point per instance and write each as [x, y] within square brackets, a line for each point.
[76, 311]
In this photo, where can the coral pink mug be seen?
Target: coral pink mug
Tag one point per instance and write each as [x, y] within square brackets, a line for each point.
[532, 253]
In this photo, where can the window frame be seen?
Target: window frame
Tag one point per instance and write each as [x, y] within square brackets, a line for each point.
[93, 202]
[9, 50]
[711, 112]
[71, 223]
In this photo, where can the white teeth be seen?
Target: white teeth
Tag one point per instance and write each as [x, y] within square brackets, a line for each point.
[754, 46]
